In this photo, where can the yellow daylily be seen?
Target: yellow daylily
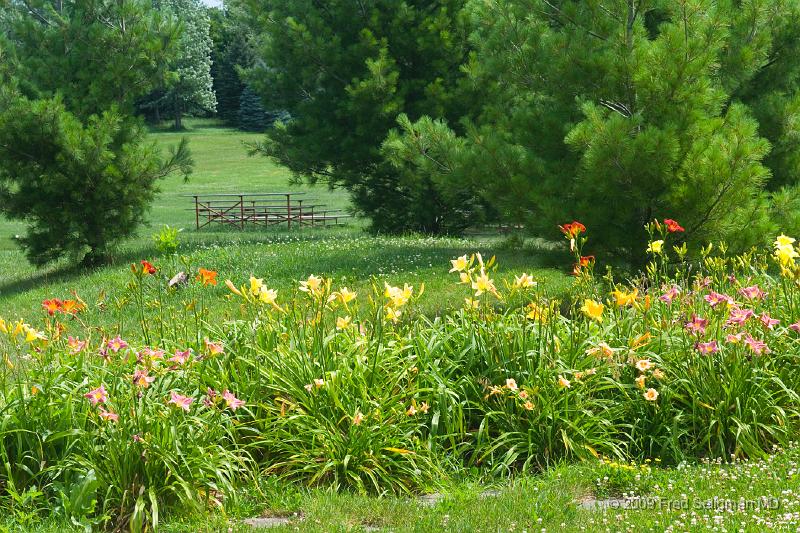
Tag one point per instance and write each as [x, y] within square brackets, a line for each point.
[460, 264]
[593, 310]
[656, 247]
[624, 299]
[483, 283]
[343, 322]
[312, 285]
[346, 295]
[523, 281]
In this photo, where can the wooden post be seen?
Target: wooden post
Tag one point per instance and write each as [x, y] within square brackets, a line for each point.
[300, 217]
[288, 211]
[197, 212]
[241, 210]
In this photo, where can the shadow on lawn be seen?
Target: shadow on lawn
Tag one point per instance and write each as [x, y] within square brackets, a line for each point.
[405, 254]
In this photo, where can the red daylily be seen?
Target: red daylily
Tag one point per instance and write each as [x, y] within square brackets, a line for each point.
[148, 268]
[672, 226]
[52, 305]
[572, 229]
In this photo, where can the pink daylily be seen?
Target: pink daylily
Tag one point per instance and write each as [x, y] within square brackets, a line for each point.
[734, 339]
[232, 401]
[149, 354]
[141, 379]
[795, 327]
[178, 400]
[752, 293]
[214, 348]
[768, 321]
[98, 395]
[707, 347]
[714, 298]
[697, 325]
[670, 295]
[108, 415]
[738, 317]
[116, 344]
[75, 345]
[757, 346]
[181, 357]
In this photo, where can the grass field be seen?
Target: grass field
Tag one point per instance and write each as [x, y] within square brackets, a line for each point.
[282, 257]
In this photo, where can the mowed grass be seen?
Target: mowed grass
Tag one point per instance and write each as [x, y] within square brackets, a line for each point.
[222, 165]
[750, 496]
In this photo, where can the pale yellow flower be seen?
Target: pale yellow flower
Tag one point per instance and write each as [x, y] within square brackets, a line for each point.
[651, 395]
[398, 296]
[511, 384]
[523, 281]
[392, 313]
[346, 295]
[343, 322]
[464, 277]
[312, 285]
[656, 247]
[563, 382]
[482, 284]
[782, 241]
[471, 303]
[640, 381]
[460, 264]
[358, 418]
[658, 374]
[643, 365]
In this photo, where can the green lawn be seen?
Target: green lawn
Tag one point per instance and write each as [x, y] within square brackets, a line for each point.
[751, 496]
[281, 257]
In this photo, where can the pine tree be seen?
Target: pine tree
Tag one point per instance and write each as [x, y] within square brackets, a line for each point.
[343, 72]
[621, 112]
[74, 161]
[231, 52]
[252, 115]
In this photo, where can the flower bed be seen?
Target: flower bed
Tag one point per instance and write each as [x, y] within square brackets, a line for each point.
[360, 392]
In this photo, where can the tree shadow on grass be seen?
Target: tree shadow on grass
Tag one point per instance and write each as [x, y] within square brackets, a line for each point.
[403, 254]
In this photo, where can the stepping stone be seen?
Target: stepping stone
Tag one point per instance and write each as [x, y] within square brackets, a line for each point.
[265, 522]
[429, 500]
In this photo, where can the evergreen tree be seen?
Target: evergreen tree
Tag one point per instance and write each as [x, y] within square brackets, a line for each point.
[231, 52]
[74, 162]
[252, 115]
[343, 72]
[621, 112]
[190, 90]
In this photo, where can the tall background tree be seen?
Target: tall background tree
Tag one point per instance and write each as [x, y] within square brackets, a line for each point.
[187, 89]
[232, 51]
[620, 112]
[191, 89]
[344, 71]
[74, 161]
